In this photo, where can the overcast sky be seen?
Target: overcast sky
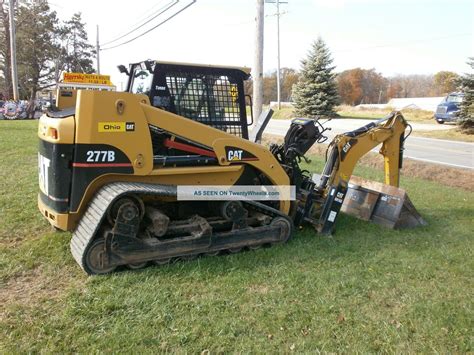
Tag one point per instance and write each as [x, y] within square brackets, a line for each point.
[392, 36]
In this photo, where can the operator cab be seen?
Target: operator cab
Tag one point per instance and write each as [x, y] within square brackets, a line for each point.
[212, 95]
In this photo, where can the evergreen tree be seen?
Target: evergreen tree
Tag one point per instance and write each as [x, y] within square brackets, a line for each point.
[316, 94]
[76, 53]
[44, 48]
[467, 107]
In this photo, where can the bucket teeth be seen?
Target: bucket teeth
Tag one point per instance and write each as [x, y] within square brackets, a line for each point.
[382, 204]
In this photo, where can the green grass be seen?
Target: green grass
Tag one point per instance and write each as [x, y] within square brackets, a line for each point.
[451, 134]
[366, 289]
[285, 113]
[345, 111]
[412, 115]
[368, 115]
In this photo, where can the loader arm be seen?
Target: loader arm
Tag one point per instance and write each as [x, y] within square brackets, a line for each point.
[347, 149]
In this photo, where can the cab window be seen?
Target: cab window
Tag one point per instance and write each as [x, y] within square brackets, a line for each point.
[454, 98]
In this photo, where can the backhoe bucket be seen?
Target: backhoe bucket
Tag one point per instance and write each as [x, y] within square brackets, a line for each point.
[383, 204]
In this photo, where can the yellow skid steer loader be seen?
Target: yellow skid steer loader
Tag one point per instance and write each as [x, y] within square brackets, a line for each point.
[112, 164]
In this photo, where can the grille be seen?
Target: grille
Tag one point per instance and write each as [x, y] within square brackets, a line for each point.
[206, 98]
[441, 109]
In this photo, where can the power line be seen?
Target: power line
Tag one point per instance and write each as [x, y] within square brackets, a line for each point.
[155, 15]
[146, 14]
[151, 29]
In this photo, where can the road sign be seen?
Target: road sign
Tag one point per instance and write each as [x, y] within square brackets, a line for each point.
[82, 78]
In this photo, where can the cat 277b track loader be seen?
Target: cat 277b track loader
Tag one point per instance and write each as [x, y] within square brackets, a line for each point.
[110, 167]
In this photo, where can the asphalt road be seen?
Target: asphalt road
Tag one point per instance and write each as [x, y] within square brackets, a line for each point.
[438, 151]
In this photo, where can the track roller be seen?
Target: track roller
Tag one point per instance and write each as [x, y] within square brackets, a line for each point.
[96, 261]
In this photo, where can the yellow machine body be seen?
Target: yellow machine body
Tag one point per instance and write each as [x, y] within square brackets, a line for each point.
[110, 164]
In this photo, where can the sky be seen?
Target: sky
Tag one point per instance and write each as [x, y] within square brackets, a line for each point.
[392, 36]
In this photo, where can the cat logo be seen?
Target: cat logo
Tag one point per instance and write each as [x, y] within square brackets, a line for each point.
[234, 155]
[130, 126]
[346, 147]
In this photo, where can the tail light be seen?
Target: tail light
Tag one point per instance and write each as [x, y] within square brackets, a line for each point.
[53, 133]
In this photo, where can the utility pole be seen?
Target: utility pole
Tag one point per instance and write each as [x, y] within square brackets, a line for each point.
[278, 55]
[258, 61]
[278, 13]
[13, 50]
[97, 49]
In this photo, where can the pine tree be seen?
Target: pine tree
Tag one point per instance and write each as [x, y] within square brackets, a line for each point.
[316, 94]
[467, 106]
[76, 52]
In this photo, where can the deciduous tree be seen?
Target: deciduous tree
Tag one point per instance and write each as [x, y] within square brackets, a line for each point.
[5, 67]
[358, 86]
[446, 82]
[413, 85]
[289, 77]
[36, 47]
[44, 47]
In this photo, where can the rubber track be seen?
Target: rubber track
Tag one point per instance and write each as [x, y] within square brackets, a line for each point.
[92, 219]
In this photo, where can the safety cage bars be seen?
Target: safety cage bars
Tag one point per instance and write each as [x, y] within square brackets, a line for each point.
[210, 95]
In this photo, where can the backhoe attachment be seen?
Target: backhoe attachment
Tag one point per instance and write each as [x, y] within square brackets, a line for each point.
[384, 204]
[323, 197]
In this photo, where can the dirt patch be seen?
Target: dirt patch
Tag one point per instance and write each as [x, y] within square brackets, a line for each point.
[31, 287]
[262, 289]
[14, 239]
[447, 176]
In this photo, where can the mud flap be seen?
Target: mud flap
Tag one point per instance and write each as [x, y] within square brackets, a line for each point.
[382, 204]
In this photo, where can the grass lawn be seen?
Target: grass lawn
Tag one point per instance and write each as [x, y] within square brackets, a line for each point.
[419, 116]
[345, 111]
[366, 289]
[451, 134]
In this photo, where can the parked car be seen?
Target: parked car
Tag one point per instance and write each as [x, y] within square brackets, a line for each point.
[448, 109]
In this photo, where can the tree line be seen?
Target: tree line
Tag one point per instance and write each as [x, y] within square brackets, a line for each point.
[366, 86]
[319, 89]
[45, 47]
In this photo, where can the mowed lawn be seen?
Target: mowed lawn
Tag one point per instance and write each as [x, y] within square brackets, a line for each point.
[366, 289]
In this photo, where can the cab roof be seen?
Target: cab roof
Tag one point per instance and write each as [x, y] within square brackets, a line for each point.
[246, 70]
